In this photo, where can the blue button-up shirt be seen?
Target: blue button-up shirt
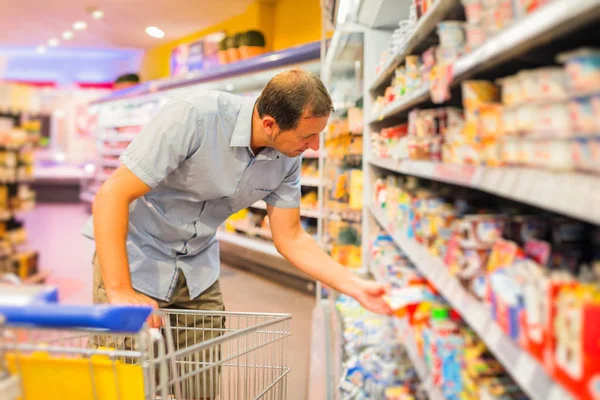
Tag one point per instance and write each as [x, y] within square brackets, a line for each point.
[195, 155]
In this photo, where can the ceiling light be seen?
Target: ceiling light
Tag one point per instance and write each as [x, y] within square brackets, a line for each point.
[80, 25]
[97, 14]
[67, 35]
[53, 42]
[40, 49]
[155, 32]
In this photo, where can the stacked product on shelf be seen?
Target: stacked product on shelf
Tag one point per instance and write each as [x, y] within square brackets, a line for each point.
[376, 366]
[344, 187]
[16, 172]
[499, 96]
[535, 273]
[452, 362]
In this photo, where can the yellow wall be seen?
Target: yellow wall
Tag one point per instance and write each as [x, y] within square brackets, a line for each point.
[284, 23]
[296, 22]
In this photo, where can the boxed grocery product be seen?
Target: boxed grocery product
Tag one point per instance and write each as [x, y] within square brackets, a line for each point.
[574, 347]
[476, 93]
[583, 70]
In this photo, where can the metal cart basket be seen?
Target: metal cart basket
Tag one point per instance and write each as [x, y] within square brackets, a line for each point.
[241, 357]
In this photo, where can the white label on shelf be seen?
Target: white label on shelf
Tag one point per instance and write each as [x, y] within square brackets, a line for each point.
[494, 335]
[558, 393]
[525, 370]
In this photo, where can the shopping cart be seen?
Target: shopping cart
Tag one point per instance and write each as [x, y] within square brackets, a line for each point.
[244, 358]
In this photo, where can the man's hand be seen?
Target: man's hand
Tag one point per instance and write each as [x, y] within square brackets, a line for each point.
[133, 298]
[371, 295]
[302, 250]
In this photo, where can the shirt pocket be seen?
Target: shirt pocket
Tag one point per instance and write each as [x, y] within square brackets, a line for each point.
[245, 199]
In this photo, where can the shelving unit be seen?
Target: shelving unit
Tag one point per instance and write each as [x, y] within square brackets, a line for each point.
[571, 194]
[423, 29]
[541, 27]
[417, 362]
[524, 369]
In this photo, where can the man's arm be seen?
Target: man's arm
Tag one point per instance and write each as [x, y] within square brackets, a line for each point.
[302, 250]
[111, 219]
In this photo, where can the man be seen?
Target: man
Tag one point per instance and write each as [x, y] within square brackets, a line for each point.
[201, 158]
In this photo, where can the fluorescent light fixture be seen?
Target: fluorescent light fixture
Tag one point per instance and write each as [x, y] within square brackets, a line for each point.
[67, 35]
[79, 25]
[155, 32]
[97, 14]
[53, 42]
[40, 49]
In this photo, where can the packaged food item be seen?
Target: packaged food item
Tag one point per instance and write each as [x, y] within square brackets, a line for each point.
[551, 83]
[586, 154]
[511, 90]
[451, 34]
[509, 122]
[582, 116]
[522, 229]
[554, 154]
[583, 70]
[473, 10]
[476, 35]
[490, 120]
[527, 117]
[528, 83]
[480, 230]
[475, 93]
[552, 120]
[497, 15]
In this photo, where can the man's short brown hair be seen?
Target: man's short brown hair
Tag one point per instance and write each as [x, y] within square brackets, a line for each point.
[292, 94]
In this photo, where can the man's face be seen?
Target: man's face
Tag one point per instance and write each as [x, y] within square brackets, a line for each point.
[305, 136]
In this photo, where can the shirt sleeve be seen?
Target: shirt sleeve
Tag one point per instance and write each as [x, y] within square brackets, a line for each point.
[168, 139]
[287, 194]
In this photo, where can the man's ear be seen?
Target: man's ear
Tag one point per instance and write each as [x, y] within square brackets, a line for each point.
[269, 125]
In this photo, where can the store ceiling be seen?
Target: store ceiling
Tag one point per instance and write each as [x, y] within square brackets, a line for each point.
[34, 22]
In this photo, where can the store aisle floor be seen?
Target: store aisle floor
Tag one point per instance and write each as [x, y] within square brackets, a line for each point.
[55, 230]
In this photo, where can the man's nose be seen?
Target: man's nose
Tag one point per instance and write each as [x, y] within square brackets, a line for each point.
[313, 143]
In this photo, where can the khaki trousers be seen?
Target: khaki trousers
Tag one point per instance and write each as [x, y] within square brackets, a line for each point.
[187, 330]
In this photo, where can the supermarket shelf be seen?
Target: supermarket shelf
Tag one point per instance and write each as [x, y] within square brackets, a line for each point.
[262, 257]
[571, 194]
[403, 103]
[10, 387]
[526, 371]
[255, 245]
[542, 26]
[310, 182]
[310, 154]
[117, 138]
[291, 56]
[101, 176]
[549, 22]
[110, 152]
[87, 197]
[321, 375]
[304, 212]
[109, 163]
[417, 361]
[411, 348]
[424, 27]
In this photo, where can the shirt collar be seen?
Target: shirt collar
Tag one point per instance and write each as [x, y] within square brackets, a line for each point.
[243, 125]
[243, 130]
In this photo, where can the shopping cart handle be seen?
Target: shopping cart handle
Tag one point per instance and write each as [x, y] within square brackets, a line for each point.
[114, 318]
